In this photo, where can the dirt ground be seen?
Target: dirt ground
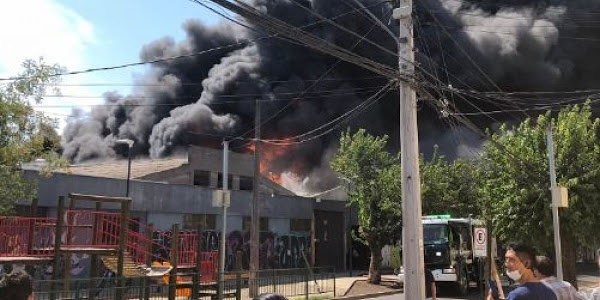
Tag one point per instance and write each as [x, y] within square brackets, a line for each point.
[361, 287]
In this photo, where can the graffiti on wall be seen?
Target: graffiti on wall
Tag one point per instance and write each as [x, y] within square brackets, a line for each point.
[275, 251]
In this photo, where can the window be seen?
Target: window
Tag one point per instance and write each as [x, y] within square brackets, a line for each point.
[263, 226]
[193, 221]
[229, 181]
[201, 178]
[246, 183]
[300, 225]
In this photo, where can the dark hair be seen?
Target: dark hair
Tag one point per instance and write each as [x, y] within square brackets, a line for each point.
[269, 296]
[545, 266]
[15, 286]
[525, 252]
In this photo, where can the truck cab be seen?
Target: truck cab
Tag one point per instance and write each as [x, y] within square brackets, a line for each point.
[448, 251]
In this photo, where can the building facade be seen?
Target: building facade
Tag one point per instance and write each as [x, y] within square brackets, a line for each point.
[170, 191]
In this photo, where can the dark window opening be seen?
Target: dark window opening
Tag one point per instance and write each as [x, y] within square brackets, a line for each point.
[246, 183]
[229, 181]
[201, 178]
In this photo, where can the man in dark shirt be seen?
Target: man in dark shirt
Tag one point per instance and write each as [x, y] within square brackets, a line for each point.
[519, 261]
[430, 290]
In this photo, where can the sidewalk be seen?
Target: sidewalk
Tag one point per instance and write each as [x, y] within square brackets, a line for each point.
[344, 282]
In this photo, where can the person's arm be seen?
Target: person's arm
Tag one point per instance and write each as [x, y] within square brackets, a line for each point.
[433, 291]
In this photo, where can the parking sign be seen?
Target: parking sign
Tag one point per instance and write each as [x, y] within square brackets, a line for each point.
[480, 241]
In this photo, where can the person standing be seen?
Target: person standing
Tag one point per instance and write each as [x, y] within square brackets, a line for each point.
[519, 260]
[545, 272]
[16, 286]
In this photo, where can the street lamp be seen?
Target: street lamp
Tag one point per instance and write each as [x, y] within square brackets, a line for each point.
[129, 144]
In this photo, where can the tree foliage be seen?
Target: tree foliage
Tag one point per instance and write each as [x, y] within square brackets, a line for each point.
[516, 184]
[24, 133]
[373, 183]
[450, 187]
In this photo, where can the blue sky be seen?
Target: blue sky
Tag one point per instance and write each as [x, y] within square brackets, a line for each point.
[81, 34]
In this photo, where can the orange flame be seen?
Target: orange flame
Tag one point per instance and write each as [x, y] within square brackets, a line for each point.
[269, 155]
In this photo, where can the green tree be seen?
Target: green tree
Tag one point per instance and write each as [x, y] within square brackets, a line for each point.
[373, 177]
[450, 187]
[516, 182]
[24, 133]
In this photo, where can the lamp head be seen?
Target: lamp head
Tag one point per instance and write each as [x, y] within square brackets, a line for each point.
[125, 141]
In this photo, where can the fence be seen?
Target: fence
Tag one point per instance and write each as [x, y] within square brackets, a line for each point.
[288, 282]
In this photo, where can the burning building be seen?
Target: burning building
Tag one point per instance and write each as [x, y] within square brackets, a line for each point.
[469, 44]
[180, 190]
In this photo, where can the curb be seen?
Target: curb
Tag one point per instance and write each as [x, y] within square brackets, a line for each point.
[364, 296]
[349, 288]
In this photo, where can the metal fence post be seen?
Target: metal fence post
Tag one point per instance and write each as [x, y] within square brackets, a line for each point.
[334, 284]
[306, 284]
[174, 255]
[238, 286]
[77, 297]
[57, 241]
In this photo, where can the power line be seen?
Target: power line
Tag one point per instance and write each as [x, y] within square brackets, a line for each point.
[127, 65]
[378, 95]
[371, 17]
[332, 96]
[313, 85]
[464, 51]
[240, 95]
[140, 63]
[200, 83]
[335, 123]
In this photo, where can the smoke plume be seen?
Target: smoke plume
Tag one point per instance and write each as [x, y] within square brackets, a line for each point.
[483, 45]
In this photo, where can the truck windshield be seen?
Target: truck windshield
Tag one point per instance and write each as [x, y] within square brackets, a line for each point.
[435, 233]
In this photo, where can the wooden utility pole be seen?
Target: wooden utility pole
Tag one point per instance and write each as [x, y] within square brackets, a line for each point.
[255, 216]
[412, 237]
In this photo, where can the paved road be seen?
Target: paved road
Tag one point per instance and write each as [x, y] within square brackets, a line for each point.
[400, 296]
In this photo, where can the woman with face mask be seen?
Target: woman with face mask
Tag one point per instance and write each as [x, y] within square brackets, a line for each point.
[519, 261]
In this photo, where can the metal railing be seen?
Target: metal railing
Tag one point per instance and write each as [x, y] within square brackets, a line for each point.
[289, 283]
[27, 237]
[97, 229]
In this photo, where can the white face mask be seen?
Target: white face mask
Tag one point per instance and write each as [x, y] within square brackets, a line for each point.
[514, 275]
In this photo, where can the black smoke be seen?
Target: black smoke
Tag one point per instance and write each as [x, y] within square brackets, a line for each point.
[482, 45]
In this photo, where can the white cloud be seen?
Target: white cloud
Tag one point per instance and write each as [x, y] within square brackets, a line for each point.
[34, 28]
[45, 28]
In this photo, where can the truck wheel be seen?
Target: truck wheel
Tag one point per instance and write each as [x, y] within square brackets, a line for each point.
[462, 285]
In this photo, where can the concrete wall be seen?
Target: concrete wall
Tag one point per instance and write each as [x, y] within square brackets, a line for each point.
[208, 159]
[279, 225]
[166, 198]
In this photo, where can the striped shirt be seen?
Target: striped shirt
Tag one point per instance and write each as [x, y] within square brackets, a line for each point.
[562, 289]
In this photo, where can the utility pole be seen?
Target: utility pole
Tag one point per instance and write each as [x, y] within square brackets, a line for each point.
[412, 228]
[254, 216]
[224, 204]
[555, 204]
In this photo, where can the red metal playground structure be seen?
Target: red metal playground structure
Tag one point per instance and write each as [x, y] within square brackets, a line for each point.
[124, 245]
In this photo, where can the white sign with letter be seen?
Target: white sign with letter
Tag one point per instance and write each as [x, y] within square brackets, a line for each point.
[480, 241]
